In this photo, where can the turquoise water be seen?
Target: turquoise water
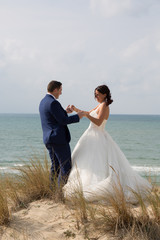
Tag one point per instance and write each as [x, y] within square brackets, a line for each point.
[137, 135]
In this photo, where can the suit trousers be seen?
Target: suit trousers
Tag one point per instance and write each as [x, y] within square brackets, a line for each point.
[60, 155]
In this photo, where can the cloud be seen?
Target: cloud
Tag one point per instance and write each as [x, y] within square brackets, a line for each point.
[42, 41]
[138, 47]
[12, 51]
[111, 8]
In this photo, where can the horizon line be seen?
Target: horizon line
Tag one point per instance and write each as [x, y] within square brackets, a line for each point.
[153, 114]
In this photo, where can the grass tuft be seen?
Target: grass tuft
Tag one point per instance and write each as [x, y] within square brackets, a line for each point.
[119, 217]
[123, 220]
[4, 209]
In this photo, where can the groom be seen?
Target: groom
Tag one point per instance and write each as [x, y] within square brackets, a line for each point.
[56, 135]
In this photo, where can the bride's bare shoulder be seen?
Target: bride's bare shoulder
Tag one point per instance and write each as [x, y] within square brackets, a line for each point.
[103, 105]
[104, 109]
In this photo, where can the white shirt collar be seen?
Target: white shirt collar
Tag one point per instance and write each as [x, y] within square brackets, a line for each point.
[51, 95]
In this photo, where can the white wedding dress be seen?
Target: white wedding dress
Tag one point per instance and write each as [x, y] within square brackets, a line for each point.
[99, 167]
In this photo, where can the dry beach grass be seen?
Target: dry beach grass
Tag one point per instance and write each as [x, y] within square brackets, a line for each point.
[29, 209]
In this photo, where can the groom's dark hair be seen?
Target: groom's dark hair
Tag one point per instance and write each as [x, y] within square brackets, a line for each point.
[53, 85]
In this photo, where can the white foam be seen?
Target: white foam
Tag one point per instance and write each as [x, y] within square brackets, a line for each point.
[18, 165]
[148, 169]
[145, 169]
[8, 170]
[3, 168]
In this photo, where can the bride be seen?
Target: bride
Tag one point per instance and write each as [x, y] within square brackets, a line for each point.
[98, 164]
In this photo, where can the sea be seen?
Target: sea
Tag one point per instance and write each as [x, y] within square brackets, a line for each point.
[138, 136]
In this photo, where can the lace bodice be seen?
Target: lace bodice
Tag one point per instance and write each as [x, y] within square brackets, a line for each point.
[102, 126]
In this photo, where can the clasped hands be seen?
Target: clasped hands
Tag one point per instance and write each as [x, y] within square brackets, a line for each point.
[80, 113]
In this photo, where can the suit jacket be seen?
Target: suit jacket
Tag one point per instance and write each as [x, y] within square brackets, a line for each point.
[54, 120]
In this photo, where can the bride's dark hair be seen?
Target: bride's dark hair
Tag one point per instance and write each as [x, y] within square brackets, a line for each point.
[104, 90]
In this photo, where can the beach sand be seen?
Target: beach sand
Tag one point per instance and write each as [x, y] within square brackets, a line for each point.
[44, 219]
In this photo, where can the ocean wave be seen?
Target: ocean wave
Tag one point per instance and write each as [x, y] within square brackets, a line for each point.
[147, 169]
[8, 170]
[3, 168]
[11, 167]
[143, 169]
[18, 165]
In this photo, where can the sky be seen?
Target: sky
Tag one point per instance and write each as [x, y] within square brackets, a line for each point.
[83, 44]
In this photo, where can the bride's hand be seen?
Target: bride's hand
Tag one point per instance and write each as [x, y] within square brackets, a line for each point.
[82, 114]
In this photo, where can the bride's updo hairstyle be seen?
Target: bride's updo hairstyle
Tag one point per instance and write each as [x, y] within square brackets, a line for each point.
[104, 90]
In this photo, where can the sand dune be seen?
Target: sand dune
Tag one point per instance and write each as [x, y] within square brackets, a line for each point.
[44, 220]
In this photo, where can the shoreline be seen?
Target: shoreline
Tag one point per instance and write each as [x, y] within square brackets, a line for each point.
[12, 171]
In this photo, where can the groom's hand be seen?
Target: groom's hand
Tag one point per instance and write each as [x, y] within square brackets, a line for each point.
[68, 109]
[73, 108]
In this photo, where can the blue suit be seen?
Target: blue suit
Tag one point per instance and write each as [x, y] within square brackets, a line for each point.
[56, 135]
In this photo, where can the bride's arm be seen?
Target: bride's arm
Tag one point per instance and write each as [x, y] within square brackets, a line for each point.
[78, 110]
[103, 111]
